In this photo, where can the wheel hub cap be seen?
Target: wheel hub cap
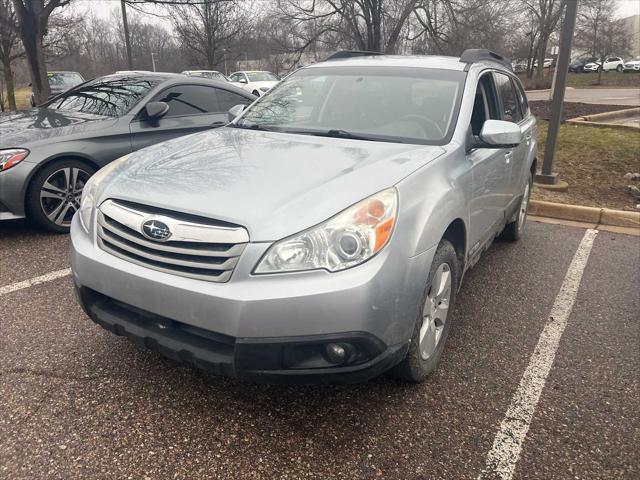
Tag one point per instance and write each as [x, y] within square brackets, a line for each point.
[435, 311]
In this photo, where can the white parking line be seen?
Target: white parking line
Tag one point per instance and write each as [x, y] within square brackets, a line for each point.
[507, 445]
[47, 277]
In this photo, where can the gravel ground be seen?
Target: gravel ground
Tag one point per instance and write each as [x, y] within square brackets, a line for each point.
[78, 402]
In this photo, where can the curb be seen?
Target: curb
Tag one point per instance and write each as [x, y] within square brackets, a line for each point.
[600, 119]
[578, 213]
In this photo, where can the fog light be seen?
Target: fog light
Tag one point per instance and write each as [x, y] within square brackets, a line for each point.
[335, 353]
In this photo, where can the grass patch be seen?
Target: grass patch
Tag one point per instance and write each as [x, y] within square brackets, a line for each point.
[23, 98]
[593, 161]
[609, 79]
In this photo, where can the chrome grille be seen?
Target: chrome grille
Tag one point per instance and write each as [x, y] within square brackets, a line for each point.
[206, 251]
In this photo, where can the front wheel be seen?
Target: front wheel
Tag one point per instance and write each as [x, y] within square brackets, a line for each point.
[433, 322]
[514, 230]
[54, 194]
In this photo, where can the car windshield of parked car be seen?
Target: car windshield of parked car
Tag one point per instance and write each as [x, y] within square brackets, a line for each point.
[409, 105]
[64, 79]
[211, 75]
[262, 77]
[111, 97]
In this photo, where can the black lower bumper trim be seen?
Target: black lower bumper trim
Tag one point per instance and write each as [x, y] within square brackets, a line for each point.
[255, 360]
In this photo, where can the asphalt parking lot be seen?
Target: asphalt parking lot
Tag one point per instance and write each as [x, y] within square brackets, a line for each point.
[78, 402]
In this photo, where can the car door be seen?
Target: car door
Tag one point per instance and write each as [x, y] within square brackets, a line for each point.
[514, 108]
[489, 171]
[192, 108]
[240, 79]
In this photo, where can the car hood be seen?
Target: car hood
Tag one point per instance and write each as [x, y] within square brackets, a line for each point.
[632, 62]
[591, 64]
[274, 184]
[18, 129]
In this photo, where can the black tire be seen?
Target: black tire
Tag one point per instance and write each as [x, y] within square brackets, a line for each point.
[413, 368]
[619, 68]
[56, 173]
[514, 230]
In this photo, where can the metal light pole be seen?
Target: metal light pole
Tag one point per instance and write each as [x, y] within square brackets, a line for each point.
[566, 36]
[127, 41]
[153, 61]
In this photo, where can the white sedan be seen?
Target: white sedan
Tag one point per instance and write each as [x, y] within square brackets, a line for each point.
[256, 82]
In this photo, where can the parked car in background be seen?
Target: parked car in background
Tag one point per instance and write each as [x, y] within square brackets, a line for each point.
[48, 153]
[613, 63]
[592, 67]
[60, 82]
[610, 63]
[323, 235]
[548, 63]
[632, 66]
[211, 74]
[256, 82]
[577, 66]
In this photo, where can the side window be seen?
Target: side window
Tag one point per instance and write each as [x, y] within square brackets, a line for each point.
[235, 77]
[227, 99]
[510, 108]
[485, 105]
[188, 100]
[522, 99]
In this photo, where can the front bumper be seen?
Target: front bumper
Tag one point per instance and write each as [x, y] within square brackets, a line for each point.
[375, 304]
[13, 184]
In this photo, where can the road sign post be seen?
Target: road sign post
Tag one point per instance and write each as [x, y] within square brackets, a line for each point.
[548, 176]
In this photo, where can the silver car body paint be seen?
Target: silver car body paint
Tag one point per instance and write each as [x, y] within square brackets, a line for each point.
[278, 184]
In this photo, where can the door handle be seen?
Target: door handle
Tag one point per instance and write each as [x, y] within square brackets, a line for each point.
[527, 137]
[508, 156]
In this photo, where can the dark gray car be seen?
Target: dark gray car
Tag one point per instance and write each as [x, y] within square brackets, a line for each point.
[47, 154]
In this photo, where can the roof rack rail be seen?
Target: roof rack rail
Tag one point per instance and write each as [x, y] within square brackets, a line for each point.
[350, 54]
[478, 54]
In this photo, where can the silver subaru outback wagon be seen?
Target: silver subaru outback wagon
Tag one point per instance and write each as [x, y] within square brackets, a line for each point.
[322, 235]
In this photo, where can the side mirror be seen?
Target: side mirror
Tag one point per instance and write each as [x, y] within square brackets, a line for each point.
[242, 80]
[156, 110]
[235, 111]
[499, 134]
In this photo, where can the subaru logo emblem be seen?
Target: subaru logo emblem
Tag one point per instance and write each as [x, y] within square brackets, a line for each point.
[156, 230]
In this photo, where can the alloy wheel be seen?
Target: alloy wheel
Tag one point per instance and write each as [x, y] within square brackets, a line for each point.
[436, 309]
[524, 204]
[60, 194]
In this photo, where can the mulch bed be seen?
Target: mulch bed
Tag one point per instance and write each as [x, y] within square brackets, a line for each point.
[542, 109]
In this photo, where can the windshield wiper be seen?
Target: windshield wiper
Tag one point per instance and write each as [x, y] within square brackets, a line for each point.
[253, 126]
[337, 133]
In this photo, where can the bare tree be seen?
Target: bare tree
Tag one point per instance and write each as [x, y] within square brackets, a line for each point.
[207, 29]
[599, 31]
[546, 14]
[10, 49]
[33, 20]
[374, 25]
[450, 26]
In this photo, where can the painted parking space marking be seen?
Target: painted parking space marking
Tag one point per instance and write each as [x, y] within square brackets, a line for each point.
[502, 458]
[47, 277]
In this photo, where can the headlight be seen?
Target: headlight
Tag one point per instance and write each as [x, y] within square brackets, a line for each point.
[348, 239]
[11, 157]
[90, 190]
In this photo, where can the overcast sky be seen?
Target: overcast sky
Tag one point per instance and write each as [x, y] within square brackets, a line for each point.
[103, 8]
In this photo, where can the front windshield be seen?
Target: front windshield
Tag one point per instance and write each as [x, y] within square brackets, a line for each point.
[411, 105]
[111, 97]
[211, 75]
[262, 77]
[64, 79]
